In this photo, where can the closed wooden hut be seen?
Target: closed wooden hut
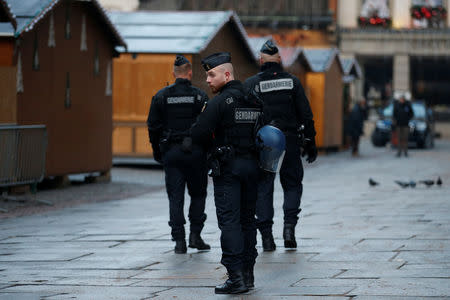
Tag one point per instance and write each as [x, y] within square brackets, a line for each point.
[323, 80]
[7, 69]
[56, 70]
[154, 39]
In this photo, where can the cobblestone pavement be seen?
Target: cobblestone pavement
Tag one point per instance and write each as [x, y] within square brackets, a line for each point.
[133, 183]
[355, 241]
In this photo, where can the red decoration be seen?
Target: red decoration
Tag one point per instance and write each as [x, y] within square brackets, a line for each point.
[374, 21]
[428, 12]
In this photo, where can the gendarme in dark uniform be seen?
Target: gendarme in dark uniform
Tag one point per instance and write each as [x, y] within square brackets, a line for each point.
[173, 110]
[230, 118]
[287, 108]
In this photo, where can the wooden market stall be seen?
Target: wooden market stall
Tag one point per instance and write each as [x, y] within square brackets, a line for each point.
[323, 81]
[56, 70]
[7, 70]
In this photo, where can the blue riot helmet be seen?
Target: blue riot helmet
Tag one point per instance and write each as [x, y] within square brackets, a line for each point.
[271, 143]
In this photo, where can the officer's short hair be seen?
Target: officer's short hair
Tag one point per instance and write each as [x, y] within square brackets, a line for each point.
[183, 69]
[270, 58]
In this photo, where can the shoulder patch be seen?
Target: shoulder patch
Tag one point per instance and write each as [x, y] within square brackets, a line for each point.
[199, 97]
[246, 115]
[276, 85]
[229, 100]
[178, 100]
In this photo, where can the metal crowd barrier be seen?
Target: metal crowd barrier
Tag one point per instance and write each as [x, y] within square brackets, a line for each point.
[22, 154]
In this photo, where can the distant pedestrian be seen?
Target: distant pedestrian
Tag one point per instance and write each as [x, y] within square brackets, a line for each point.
[403, 113]
[355, 124]
[173, 110]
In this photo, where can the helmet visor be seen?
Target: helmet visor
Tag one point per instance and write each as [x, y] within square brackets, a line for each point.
[271, 161]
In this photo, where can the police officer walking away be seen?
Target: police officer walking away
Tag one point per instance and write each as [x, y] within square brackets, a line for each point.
[230, 117]
[287, 108]
[173, 110]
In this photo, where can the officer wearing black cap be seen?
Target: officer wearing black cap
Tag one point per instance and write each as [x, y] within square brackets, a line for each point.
[287, 108]
[228, 123]
[173, 110]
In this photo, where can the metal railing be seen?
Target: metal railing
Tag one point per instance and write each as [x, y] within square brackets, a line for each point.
[22, 154]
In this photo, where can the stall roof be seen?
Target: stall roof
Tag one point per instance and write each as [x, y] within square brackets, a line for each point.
[289, 55]
[173, 31]
[28, 13]
[351, 67]
[320, 60]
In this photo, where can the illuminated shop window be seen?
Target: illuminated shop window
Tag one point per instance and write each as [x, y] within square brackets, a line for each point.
[375, 13]
[428, 14]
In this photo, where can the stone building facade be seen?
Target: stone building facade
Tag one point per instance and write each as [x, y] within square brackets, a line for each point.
[402, 45]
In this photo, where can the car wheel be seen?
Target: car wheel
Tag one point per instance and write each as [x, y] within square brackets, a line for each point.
[377, 140]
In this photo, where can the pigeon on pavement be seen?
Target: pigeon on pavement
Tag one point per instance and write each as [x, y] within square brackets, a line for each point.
[439, 181]
[402, 184]
[373, 182]
[427, 182]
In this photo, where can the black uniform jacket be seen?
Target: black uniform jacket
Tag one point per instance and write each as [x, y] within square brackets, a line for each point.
[186, 103]
[228, 119]
[284, 98]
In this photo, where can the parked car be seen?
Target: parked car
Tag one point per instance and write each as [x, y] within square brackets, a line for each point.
[421, 127]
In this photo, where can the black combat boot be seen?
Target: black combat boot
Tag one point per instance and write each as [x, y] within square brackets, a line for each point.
[289, 236]
[196, 241]
[267, 242]
[180, 246]
[234, 285]
[249, 278]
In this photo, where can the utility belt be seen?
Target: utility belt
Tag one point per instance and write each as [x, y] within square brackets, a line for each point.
[224, 154]
[218, 157]
[170, 139]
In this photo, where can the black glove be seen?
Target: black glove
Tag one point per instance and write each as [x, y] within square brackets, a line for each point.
[310, 149]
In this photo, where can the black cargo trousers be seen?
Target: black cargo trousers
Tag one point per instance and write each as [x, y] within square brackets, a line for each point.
[291, 176]
[185, 169]
[235, 193]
